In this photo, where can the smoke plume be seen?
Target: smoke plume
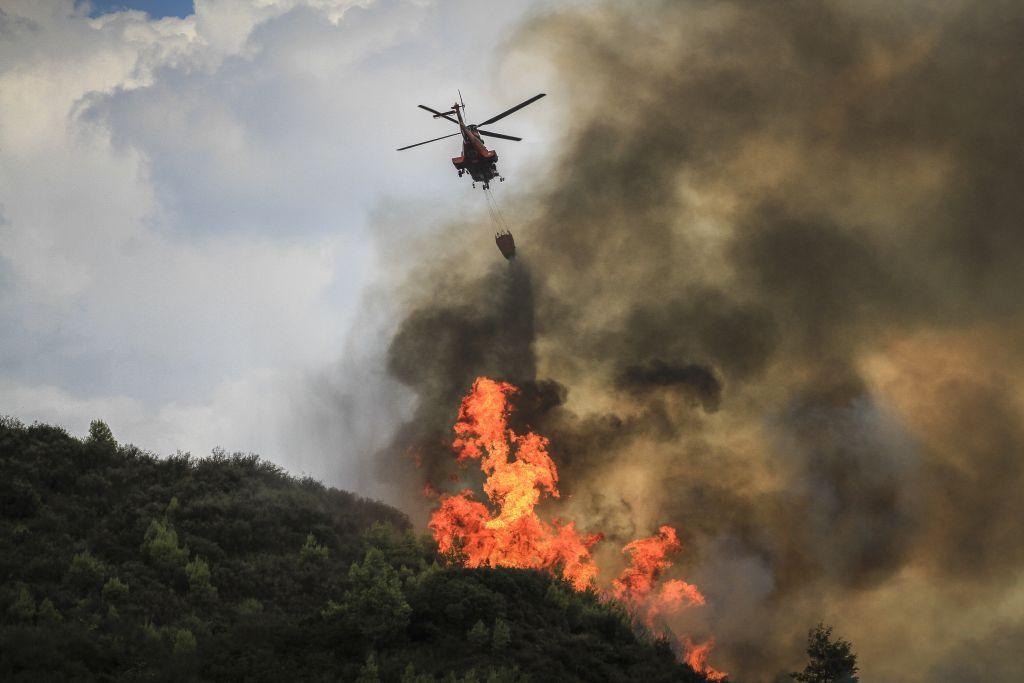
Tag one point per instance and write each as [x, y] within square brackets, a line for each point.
[770, 295]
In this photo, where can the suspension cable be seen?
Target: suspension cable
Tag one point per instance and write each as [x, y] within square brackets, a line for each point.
[495, 211]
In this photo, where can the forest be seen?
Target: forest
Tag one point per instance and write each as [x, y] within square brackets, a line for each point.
[116, 564]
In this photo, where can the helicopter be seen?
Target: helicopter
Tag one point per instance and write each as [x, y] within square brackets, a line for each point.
[481, 163]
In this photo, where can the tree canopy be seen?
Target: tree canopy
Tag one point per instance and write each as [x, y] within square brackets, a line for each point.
[829, 661]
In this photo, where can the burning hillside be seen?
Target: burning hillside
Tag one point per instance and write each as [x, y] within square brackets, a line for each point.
[509, 532]
[775, 307]
[231, 569]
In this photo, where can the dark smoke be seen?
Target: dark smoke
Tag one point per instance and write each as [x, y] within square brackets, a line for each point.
[481, 327]
[697, 381]
[773, 299]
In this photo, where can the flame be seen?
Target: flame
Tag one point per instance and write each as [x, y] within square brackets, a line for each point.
[635, 586]
[696, 655]
[519, 471]
[507, 532]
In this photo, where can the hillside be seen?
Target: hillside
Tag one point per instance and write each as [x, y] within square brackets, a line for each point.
[116, 564]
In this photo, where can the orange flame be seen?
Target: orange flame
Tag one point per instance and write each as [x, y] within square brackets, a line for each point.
[697, 657]
[635, 586]
[509, 533]
[515, 536]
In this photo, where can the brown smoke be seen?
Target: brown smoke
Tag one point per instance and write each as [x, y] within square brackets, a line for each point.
[773, 298]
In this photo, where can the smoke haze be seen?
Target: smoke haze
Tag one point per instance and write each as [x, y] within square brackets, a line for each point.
[769, 294]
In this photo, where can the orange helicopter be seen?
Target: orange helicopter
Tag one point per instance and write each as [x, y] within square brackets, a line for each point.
[480, 162]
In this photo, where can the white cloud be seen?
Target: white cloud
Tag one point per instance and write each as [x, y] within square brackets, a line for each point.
[184, 233]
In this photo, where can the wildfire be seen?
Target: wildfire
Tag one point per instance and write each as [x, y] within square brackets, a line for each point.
[697, 657]
[515, 536]
[509, 533]
[636, 585]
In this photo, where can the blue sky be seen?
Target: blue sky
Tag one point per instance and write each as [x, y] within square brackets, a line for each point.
[155, 8]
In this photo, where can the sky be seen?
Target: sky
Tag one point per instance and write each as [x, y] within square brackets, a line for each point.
[190, 207]
[158, 9]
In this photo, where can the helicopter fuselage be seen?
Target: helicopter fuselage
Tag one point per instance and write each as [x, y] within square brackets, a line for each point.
[481, 163]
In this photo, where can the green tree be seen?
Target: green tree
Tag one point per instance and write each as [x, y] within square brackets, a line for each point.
[410, 676]
[150, 631]
[400, 548]
[48, 614]
[478, 635]
[100, 434]
[85, 571]
[504, 675]
[375, 603]
[369, 673]
[198, 573]
[502, 636]
[24, 607]
[183, 643]
[829, 661]
[312, 552]
[114, 590]
[160, 545]
[250, 607]
[558, 594]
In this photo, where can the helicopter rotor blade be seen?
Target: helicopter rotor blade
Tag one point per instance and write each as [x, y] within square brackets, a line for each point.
[436, 113]
[512, 110]
[498, 135]
[426, 141]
